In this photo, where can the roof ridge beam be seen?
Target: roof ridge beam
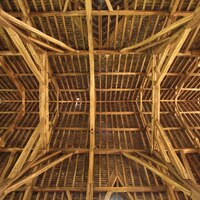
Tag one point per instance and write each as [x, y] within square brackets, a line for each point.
[90, 184]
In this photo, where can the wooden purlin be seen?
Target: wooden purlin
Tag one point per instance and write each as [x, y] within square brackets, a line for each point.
[103, 13]
[191, 53]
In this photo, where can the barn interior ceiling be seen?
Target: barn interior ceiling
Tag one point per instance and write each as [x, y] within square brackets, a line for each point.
[99, 99]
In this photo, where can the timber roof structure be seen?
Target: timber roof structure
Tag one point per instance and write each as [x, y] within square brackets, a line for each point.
[99, 99]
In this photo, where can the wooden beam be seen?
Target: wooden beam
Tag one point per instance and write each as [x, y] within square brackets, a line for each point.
[110, 8]
[26, 151]
[160, 33]
[111, 182]
[173, 53]
[24, 52]
[44, 102]
[102, 13]
[100, 189]
[27, 27]
[162, 175]
[173, 156]
[191, 53]
[90, 185]
[65, 5]
[36, 173]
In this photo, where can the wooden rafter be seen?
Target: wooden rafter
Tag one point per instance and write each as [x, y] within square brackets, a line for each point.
[192, 18]
[35, 174]
[159, 173]
[24, 52]
[110, 8]
[27, 27]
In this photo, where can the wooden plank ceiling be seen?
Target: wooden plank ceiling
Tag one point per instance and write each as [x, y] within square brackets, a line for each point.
[99, 99]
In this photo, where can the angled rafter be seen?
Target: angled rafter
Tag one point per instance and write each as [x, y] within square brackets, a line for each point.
[173, 156]
[159, 173]
[35, 174]
[25, 54]
[120, 26]
[110, 8]
[27, 27]
[173, 26]
[172, 54]
[26, 151]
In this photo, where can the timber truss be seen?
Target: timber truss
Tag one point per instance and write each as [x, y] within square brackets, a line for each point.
[99, 99]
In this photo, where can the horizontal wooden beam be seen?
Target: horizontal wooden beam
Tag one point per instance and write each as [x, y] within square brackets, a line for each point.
[106, 52]
[76, 13]
[102, 189]
[102, 151]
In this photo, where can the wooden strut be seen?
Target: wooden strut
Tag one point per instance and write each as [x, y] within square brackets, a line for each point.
[185, 188]
[7, 188]
[40, 68]
[176, 24]
[160, 67]
[27, 27]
